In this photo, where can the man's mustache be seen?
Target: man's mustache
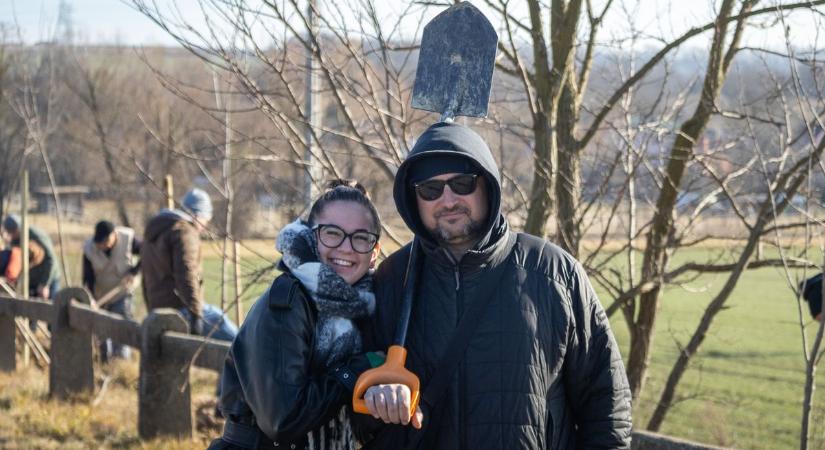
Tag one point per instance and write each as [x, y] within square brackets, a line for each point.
[456, 209]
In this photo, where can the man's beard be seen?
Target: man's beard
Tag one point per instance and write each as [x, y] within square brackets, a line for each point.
[470, 231]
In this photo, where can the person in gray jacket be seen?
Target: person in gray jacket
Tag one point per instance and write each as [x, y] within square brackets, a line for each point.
[541, 368]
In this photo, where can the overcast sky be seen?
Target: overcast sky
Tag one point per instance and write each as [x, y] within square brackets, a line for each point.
[113, 21]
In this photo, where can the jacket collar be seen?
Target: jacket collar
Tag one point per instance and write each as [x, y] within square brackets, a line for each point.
[490, 250]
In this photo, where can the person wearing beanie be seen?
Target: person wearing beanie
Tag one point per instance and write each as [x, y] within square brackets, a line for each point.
[109, 266]
[44, 274]
[197, 203]
[171, 266]
[511, 345]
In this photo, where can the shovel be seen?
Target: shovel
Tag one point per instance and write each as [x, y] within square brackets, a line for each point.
[453, 78]
[393, 370]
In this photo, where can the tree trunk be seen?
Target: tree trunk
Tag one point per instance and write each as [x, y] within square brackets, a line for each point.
[568, 179]
[654, 262]
[549, 84]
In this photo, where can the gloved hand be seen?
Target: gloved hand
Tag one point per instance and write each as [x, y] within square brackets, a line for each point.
[196, 326]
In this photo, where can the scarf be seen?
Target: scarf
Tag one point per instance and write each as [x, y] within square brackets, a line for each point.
[337, 302]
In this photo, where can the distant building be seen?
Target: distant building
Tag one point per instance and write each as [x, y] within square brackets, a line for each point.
[71, 200]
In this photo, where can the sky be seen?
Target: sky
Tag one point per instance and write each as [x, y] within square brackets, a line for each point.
[115, 22]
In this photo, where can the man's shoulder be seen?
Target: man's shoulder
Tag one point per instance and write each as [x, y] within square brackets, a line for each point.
[544, 257]
[125, 231]
[88, 247]
[40, 236]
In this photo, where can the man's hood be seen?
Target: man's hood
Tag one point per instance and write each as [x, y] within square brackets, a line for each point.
[164, 221]
[448, 139]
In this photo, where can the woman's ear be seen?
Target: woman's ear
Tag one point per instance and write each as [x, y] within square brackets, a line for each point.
[375, 252]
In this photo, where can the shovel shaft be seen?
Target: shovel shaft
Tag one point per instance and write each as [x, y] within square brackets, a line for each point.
[410, 284]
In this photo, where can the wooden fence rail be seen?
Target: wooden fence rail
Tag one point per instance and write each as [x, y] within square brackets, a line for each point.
[167, 352]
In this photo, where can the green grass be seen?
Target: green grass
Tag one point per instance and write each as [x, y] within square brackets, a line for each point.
[744, 388]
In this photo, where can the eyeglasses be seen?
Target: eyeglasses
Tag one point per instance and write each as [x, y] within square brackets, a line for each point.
[332, 236]
[464, 184]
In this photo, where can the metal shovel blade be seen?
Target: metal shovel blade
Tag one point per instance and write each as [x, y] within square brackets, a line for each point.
[455, 64]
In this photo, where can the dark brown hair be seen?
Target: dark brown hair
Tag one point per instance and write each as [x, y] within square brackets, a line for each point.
[345, 190]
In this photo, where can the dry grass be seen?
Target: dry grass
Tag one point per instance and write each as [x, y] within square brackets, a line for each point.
[107, 419]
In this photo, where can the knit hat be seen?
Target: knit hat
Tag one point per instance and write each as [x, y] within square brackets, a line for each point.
[198, 203]
[102, 231]
[439, 164]
[11, 223]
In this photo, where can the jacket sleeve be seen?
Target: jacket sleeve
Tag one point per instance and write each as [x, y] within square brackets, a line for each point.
[40, 266]
[137, 245]
[14, 266]
[272, 355]
[594, 374]
[185, 245]
[88, 274]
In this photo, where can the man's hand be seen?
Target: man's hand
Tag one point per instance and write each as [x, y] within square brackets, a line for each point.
[391, 403]
[129, 281]
[43, 292]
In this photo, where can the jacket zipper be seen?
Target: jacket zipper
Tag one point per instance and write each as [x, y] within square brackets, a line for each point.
[462, 435]
[461, 368]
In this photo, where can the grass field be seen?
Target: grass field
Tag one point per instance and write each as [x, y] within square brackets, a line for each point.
[744, 389]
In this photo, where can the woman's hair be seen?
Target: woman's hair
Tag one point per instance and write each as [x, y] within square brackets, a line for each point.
[343, 190]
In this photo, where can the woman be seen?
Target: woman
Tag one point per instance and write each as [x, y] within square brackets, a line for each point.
[293, 364]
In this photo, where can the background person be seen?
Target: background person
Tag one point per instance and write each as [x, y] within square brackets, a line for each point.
[44, 275]
[109, 264]
[812, 293]
[171, 267]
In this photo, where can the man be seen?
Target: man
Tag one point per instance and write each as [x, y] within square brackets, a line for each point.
[110, 270]
[811, 290]
[171, 265]
[44, 276]
[541, 370]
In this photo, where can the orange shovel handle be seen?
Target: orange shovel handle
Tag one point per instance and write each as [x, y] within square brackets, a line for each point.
[391, 372]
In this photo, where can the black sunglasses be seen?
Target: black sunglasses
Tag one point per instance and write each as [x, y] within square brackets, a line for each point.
[333, 236]
[464, 184]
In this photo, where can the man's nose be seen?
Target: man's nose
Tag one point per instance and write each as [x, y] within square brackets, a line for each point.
[449, 198]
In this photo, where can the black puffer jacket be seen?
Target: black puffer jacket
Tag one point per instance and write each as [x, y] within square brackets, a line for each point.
[273, 389]
[542, 370]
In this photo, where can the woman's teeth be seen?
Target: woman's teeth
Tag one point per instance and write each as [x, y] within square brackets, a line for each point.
[341, 262]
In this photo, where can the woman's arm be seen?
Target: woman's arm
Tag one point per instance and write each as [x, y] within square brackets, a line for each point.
[272, 354]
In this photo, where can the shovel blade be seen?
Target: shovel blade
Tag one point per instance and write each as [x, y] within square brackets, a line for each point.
[455, 63]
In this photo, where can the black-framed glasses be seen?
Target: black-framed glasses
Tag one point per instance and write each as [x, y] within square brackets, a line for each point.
[464, 184]
[333, 236]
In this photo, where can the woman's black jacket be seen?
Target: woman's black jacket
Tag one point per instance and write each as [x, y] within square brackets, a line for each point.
[270, 378]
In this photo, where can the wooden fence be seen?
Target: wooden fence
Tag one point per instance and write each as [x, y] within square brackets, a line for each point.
[167, 352]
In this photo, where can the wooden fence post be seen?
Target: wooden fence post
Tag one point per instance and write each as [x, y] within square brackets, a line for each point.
[70, 371]
[8, 350]
[164, 405]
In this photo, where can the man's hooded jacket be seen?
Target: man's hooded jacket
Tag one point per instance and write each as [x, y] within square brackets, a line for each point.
[541, 370]
[171, 263]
